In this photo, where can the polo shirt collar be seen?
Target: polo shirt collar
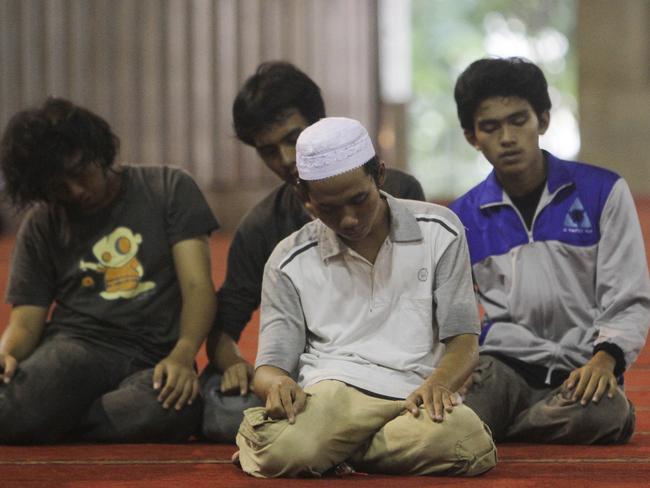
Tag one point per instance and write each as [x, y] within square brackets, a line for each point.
[403, 228]
[557, 177]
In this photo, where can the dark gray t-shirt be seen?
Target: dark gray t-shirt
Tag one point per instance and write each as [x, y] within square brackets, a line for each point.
[277, 216]
[111, 275]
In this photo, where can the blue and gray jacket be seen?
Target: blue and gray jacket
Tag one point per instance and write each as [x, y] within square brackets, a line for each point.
[573, 283]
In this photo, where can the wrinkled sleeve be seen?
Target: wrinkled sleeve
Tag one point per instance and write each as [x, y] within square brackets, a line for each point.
[622, 283]
[239, 296]
[455, 306]
[282, 336]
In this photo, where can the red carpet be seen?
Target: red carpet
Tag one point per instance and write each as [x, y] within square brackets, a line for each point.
[201, 465]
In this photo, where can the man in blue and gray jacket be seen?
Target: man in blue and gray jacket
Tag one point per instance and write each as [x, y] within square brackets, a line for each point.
[559, 268]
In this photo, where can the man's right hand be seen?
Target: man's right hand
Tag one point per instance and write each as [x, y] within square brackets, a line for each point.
[285, 399]
[8, 365]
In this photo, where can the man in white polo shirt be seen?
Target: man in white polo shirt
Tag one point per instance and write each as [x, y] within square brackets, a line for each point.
[368, 327]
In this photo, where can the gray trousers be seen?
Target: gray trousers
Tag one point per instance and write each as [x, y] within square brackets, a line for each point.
[222, 414]
[72, 390]
[515, 411]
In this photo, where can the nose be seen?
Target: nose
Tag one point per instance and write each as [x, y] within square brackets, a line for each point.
[349, 218]
[75, 190]
[507, 135]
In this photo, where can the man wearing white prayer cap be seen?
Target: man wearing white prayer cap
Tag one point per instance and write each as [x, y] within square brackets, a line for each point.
[368, 327]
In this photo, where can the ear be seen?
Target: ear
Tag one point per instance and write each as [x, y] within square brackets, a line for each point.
[470, 137]
[382, 174]
[544, 121]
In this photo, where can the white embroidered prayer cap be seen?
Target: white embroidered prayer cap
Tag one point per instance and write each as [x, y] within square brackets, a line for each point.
[332, 146]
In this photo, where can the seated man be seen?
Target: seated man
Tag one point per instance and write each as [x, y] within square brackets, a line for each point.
[371, 310]
[270, 111]
[559, 268]
[120, 256]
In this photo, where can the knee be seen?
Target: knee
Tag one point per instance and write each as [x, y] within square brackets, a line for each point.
[222, 414]
[274, 448]
[20, 424]
[469, 442]
[610, 421]
[14, 429]
[291, 455]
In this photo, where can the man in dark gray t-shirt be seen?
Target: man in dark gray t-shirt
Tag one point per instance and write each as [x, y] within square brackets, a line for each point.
[270, 111]
[110, 286]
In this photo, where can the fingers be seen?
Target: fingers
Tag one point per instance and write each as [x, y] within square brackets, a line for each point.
[435, 407]
[186, 394]
[585, 376]
[601, 388]
[300, 401]
[237, 377]
[9, 368]
[448, 402]
[227, 381]
[571, 381]
[286, 401]
[606, 384]
[158, 374]
[436, 401]
[411, 404]
[168, 394]
[612, 386]
[242, 379]
[590, 389]
[273, 405]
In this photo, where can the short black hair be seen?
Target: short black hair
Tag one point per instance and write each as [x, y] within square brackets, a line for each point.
[270, 94]
[499, 77]
[372, 167]
[37, 143]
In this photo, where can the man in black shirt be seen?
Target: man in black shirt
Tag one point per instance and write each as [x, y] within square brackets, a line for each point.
[270, 111]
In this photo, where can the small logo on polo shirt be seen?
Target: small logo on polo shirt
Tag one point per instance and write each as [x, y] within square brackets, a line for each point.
[423, 274]
[576, 219]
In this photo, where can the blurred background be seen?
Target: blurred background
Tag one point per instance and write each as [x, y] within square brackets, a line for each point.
[164, 74]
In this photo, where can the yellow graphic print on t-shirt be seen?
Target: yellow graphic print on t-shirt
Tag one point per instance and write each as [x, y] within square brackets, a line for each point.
[122, 271]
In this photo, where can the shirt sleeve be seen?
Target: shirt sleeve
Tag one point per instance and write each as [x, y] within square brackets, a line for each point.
[32, 276]
[455, 306]
[188, 214]
[282, 336]
[240, 294]
[622, 283]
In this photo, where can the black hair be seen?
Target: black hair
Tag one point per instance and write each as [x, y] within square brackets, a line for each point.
[37, 143]
[269, 95]
[500, 77]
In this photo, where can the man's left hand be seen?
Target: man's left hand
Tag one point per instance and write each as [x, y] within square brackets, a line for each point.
[592, 381]
[181, 384]
[436, 399]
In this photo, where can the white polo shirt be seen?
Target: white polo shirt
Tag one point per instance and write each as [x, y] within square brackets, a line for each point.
[328, 313]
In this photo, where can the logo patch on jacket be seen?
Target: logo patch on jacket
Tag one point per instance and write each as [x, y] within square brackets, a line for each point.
[576, 219]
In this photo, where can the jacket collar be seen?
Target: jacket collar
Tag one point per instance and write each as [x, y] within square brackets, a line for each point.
[557, 177]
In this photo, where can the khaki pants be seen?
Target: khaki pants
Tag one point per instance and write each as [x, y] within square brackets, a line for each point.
[375, 435]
